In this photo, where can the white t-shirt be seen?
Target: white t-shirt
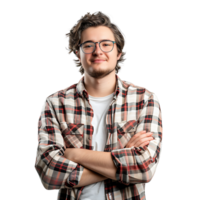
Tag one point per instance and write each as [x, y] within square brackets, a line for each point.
[100, 106]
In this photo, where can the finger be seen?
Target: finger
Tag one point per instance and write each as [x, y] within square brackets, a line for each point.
[142, 134]
[141, 145]
[139, 137]
[139, 142]
[144, 144]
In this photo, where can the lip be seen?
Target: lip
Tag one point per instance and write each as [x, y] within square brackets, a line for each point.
[98, 60]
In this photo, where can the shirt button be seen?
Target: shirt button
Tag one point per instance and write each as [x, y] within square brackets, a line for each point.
[90, 137]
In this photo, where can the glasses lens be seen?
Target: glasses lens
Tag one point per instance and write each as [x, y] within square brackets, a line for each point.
[88, 47]
[105, 46]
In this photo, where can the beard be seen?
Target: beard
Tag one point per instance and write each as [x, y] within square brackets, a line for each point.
[98, 73]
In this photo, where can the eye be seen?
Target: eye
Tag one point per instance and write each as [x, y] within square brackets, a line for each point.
[87, 46]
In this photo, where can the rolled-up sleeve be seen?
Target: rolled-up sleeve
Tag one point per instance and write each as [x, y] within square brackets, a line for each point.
[138, 164]
[54, 170]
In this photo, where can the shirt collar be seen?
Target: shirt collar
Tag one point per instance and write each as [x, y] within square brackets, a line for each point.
[80, 87]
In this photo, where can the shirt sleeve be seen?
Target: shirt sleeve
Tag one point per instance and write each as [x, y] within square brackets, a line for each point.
[138, 164]
[54, 170]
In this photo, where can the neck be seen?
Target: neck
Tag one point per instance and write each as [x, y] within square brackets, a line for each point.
[100, 87]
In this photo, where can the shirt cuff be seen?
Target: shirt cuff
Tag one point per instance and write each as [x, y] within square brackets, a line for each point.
[75, 176]
[121, 159]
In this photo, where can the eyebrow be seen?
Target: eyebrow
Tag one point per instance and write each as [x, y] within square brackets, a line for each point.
[93, 40]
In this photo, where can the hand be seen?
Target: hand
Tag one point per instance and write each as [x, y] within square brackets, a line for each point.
[140, 139]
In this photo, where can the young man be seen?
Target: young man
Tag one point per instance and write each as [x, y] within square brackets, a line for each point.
[99, 67]
[100, 138]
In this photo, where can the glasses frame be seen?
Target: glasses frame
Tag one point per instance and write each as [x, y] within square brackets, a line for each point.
[80, 45]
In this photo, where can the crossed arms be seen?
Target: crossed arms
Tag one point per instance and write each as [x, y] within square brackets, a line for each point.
[97, 161]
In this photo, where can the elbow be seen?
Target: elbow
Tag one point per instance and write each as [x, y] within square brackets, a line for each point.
[49, 186]
[43, 184]
[45, 188]
[152, 178]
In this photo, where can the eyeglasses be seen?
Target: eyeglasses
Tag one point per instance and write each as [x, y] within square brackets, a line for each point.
[105, 46]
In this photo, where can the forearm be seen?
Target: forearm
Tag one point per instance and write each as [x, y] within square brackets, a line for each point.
[97, 161]
[89, 177]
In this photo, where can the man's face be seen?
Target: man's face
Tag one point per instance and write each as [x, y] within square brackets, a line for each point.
[98, 69]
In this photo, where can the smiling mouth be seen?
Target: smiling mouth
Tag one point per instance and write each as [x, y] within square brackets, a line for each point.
[98, 61]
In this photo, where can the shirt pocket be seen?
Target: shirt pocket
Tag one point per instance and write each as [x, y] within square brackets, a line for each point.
[73, 135]
[125, 131]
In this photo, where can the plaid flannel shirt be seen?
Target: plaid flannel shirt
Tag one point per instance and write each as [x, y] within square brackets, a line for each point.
[66, 122]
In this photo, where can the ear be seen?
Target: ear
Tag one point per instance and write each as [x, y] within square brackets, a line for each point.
[78, 55]
[119, 55]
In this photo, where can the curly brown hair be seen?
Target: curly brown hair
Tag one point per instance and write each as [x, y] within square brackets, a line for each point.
[94, 20]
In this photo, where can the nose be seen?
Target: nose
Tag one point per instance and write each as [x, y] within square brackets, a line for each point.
[97, 49]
